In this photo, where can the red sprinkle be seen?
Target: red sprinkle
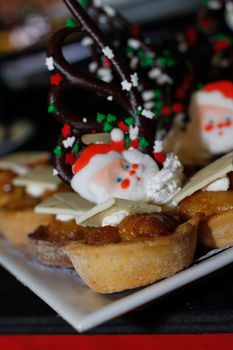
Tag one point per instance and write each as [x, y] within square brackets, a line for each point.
[132, 172]
[134, 143]
[66, 130]
[123, 126]
[55, 79]
[70, 158]
[134, 166]
[125, 183]
[166, 110]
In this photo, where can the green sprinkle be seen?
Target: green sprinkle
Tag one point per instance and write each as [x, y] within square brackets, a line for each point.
[70, 23]
[157, 93]
[58, 151]
[107, 127]
[84, 3]
[162, 61]
[75, 148]
[100, 117]
[127, 141]
[147, 61]
[158, 105]
[166, 120]
[143, 142]
[170, 62]
[138, 111]
[111, 118]
[141, 54]
[52, 108]
[129, 121]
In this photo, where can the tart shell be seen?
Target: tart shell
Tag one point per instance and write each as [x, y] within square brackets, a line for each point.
[115, 267]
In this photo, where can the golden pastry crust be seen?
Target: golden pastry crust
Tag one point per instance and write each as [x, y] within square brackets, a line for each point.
[217, 231]
[15, 225]
[115, 267]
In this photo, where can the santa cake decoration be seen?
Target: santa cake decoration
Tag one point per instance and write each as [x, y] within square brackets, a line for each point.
[122, 157]
[209, 132]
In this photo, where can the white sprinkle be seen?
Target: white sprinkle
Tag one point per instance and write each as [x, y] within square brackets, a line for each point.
[98, 3]
[183, 47]
[139, 108]
[93, 66]
[103, 19]
[108, 52]
[148, 114]
[105, 74]
[109, 98]
[126, 85]
[49, 63]
[154, 73]
[149, 104]
[86, 41]
[133, 132]
[55, 172]
[148, 95]
[134, 43]
[229, 6]
[134, 62]
[214, 5]
[164, 78]
[69, 142]
[134, 79]
[84, 120]
[109, 10]
[158, 146]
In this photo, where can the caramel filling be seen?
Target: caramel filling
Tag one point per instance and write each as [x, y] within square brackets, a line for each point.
[138, 226]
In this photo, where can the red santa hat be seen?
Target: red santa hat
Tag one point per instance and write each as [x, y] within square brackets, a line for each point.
[117, 144]
[218, 93]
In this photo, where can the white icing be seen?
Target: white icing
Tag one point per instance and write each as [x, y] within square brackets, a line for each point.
[221, 184]
[115, 218]
[63, 217]
[167, 182]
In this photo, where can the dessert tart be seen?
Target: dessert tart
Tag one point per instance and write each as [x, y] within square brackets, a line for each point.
[17, 164]
[141, 246]
[140, 257]
[72, 214]
[210, 192]
[17, 216]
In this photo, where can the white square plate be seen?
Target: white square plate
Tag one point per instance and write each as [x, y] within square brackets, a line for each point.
[63, 290]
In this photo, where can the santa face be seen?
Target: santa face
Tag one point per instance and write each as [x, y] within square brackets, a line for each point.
[122, 175]
[216, 128]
